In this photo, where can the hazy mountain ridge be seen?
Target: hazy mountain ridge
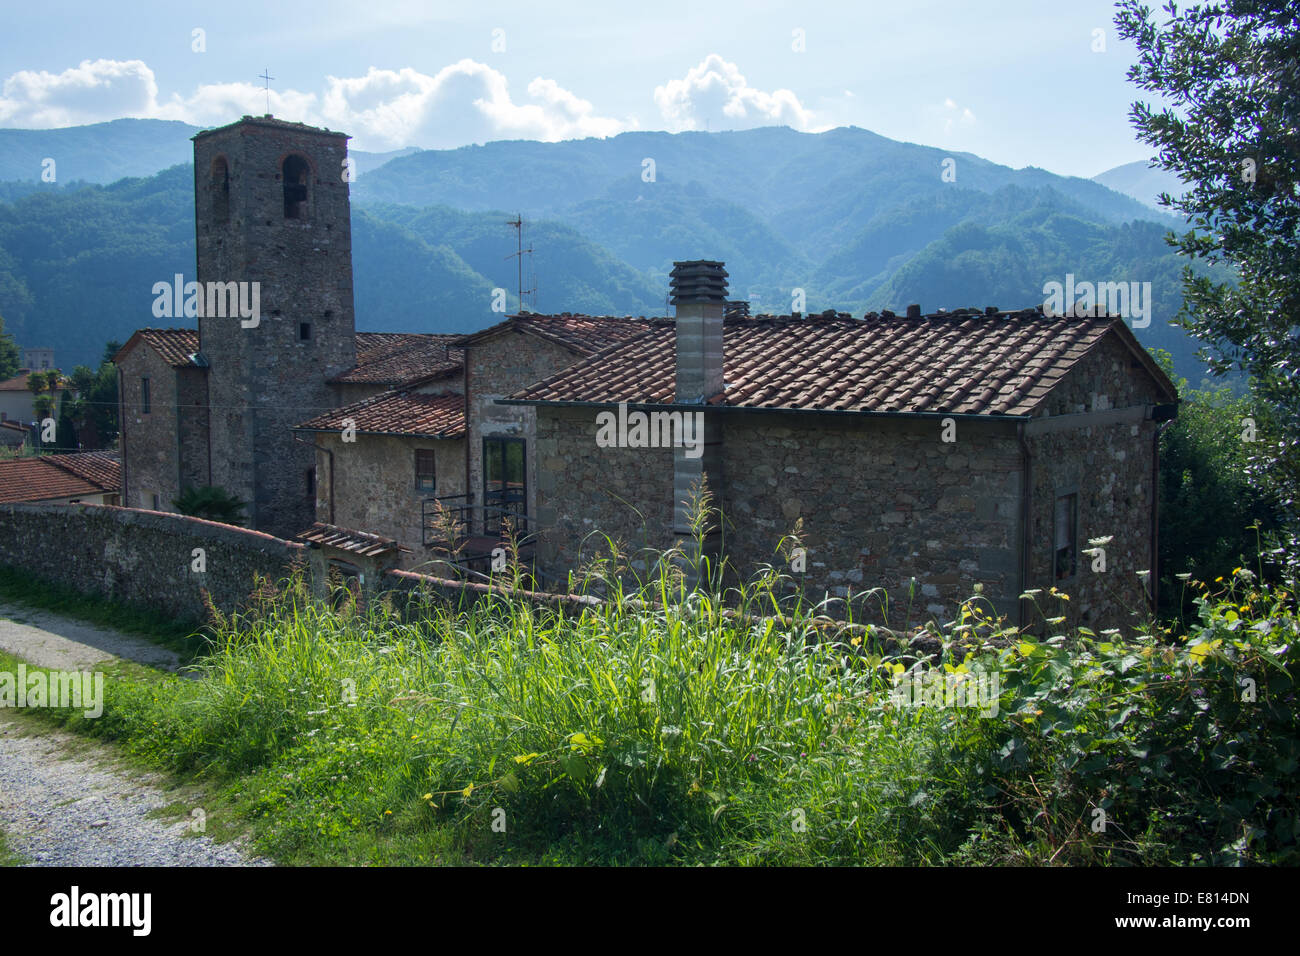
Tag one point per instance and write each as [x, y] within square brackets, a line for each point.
[851, 219]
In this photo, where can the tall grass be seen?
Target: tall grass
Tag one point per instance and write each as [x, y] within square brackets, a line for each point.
[669, 724]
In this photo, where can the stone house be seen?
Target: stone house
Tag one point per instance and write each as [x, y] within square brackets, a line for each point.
[383, 460]
[922, 454]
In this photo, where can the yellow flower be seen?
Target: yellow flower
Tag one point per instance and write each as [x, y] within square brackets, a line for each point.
[427, 796]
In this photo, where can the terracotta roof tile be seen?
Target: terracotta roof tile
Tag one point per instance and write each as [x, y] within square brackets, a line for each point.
[584, 334]
[397, 413]
[98, 467]
[957, 363]
[383, 358]
[176, 346]
[39, 479]
[19, 382]
[400, 359]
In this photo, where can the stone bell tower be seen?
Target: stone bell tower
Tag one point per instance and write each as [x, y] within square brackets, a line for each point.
[274, 231]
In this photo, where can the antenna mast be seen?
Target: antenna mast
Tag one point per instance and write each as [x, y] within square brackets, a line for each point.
[518, 255]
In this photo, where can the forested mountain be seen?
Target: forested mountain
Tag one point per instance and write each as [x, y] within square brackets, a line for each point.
[849, 219]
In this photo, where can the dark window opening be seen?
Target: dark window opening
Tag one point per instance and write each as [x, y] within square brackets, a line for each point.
[304, 331]
[220, 190]
[311, 482]
[426, 478]
[296, 174]
[145, 402]
[1066, 536]
[505, 489]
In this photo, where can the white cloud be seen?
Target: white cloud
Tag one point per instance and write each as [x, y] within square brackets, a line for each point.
[466, 102]
[93, 91]
[714, 95]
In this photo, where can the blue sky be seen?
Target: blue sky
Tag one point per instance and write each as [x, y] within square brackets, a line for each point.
[1018, 82]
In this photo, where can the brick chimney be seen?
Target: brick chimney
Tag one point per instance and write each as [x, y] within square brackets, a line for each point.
[699, 291]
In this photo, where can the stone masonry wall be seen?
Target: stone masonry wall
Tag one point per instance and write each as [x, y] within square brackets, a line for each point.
[192, 423]
[1108, 466]
[499, 366]
[141, 557]
[626, 493]
[881, 500]
[374, 485]
[150, 457]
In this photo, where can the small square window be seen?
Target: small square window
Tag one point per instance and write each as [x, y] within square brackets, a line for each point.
[1066, 536]
[425, 477]
[304, 331]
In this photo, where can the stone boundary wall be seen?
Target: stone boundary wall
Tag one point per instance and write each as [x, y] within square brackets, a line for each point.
[143, 558]
[146, 559]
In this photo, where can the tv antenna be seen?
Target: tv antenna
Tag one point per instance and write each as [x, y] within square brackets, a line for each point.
[518, 254]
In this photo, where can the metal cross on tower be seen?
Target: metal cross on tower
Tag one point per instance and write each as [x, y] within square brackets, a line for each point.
[266, 76]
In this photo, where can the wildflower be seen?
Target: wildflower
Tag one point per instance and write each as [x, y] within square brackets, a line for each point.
[1144, 575]
[1100, 542]
[1244, 574]
[1185, 576]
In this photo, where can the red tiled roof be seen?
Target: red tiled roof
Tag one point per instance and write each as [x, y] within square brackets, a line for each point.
[19, 382]
[397, 413]
[98, 467]
[1001, 364]
[175, 346]
[584, 334]
[39, 479]
[402, 359]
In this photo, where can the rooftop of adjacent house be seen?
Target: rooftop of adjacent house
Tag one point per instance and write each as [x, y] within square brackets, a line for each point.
[964, 362]
[584, 334]
[383, 358]
[397, 412]
[177, 347]
[59, 476]
[402, 358]
[19, 382]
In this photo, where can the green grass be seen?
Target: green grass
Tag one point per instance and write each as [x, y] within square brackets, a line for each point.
[7, 856]
[668, 725]
[656, 729]
[185, 637]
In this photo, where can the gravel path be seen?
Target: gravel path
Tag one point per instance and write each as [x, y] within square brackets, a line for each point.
[51, 640]
[69, 801]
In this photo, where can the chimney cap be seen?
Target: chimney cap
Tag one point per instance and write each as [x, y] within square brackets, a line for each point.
[698, 280]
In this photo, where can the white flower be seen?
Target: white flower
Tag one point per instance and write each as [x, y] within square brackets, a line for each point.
[1098, 542]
